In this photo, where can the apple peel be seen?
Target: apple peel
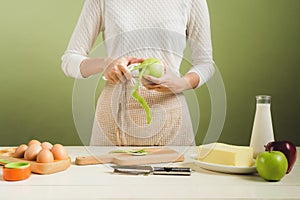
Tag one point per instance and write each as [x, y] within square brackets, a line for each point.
[147, 67]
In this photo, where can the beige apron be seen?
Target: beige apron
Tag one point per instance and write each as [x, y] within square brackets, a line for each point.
[121, 120]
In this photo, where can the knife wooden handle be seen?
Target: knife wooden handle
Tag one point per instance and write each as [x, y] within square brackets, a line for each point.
[92, 160]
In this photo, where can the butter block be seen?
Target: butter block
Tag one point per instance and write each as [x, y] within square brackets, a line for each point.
[225, 154]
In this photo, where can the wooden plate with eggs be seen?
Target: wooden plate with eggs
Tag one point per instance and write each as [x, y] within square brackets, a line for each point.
[41, 159]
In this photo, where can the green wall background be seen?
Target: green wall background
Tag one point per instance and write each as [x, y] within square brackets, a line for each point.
[256, 48]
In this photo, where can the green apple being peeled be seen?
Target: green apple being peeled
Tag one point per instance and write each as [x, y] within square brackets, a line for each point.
[156, 70]
[271, 165]
[154, 67]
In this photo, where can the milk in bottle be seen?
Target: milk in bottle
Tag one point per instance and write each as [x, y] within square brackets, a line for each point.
[262, 132]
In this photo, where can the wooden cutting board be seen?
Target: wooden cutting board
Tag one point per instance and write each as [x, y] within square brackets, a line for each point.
[39, 168]
[155, 155]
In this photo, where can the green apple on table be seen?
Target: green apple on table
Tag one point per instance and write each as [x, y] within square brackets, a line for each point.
[271, 165]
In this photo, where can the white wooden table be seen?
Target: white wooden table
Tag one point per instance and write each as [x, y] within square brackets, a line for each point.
[98, 182]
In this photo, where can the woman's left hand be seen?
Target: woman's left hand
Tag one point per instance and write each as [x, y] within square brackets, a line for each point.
[170, 82]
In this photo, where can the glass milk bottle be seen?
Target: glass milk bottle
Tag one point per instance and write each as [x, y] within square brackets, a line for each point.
[262, 132]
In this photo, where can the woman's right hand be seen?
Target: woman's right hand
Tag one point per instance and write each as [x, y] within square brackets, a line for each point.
[117, 69]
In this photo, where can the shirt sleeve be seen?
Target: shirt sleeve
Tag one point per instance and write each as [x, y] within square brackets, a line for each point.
[88, 27]
[199, 40]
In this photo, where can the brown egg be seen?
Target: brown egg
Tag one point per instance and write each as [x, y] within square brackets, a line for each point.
[46, 145]
[19, 153]
[45, 156]
[34, 142]
[32, 151]
[59, 152]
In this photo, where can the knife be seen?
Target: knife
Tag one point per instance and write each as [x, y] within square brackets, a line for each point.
[145, 170]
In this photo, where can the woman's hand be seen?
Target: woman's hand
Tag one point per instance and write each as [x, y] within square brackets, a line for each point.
[170, 82]
[117, 70]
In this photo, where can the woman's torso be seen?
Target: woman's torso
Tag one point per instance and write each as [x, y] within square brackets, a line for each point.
[145, 28]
